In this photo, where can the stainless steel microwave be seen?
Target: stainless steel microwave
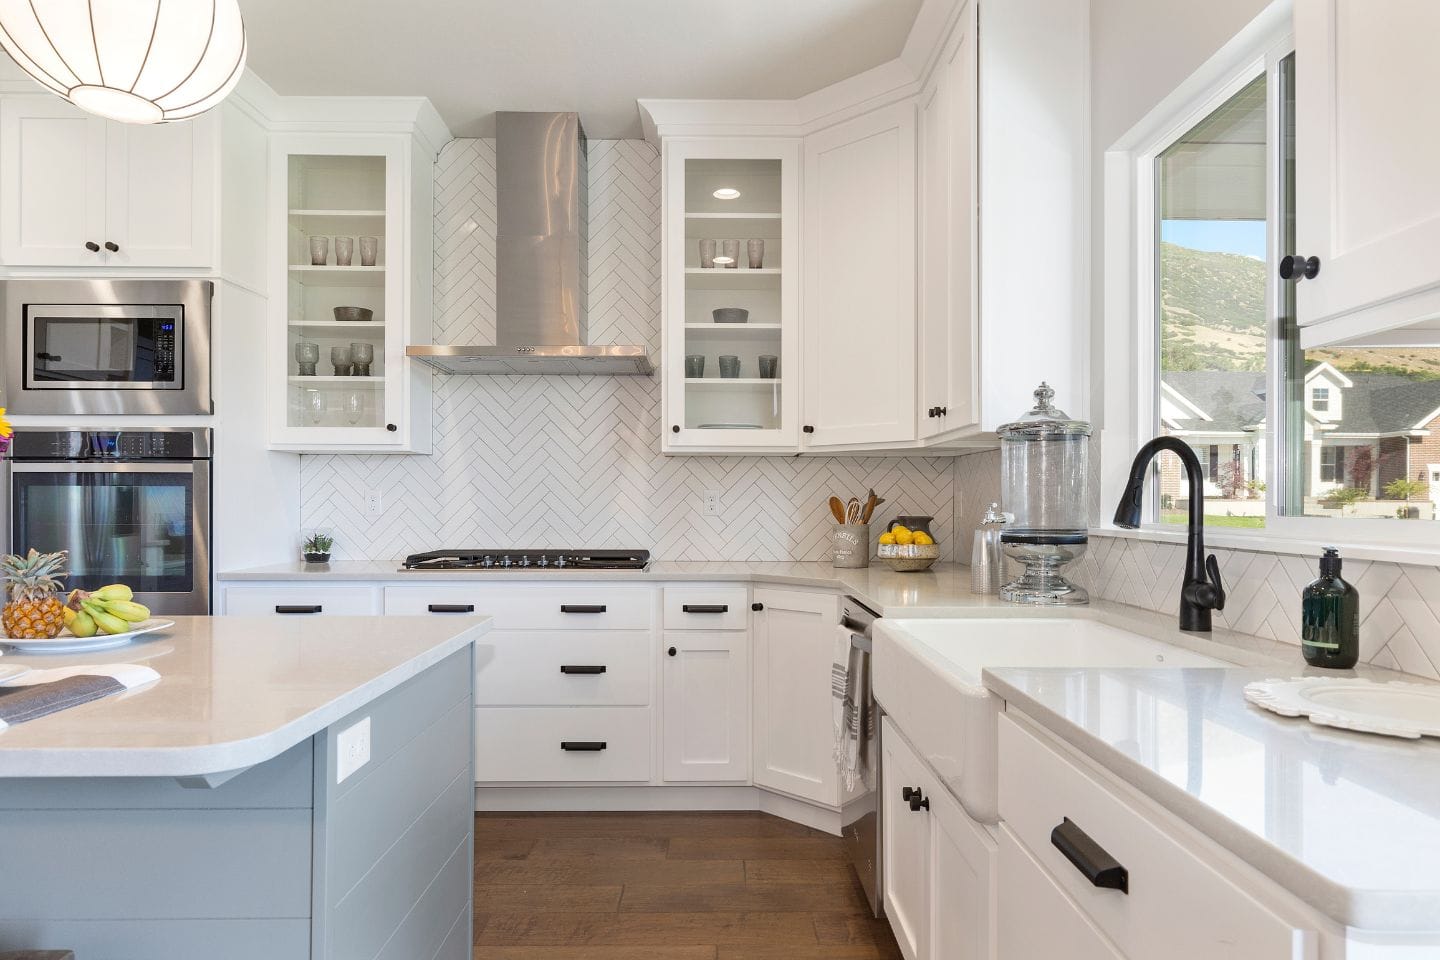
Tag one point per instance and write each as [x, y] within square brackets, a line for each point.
[106, 346]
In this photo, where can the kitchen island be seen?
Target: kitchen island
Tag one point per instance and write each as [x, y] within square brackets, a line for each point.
[287, 788]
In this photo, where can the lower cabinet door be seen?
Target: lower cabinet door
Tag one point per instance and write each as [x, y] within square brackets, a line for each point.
[706, 694]
[1035, 918]
[794, 735]
[962, 883]
[905, 840]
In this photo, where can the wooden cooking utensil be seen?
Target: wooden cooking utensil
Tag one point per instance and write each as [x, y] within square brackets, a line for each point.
[871, 502]
[852, 510]
[837, 507]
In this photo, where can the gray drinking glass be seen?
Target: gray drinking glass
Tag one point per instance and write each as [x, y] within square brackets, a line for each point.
[319, 251]
[369, 247]
[729, 367]
[363, 354]
[694, 366]
[340, 359]
[768, 365]
[344, 251]
[731, 250]
[707, 254]
[755, 250]
[307, 355]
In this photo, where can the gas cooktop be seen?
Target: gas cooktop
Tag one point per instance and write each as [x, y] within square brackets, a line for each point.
[528, 560]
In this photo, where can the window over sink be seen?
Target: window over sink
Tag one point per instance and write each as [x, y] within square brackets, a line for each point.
[1291, 441]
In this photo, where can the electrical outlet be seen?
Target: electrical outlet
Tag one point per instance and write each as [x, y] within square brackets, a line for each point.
[352, 749]
[374, 504]
[711, 501]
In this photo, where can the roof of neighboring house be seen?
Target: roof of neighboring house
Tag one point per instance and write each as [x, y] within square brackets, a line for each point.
[1234, 399]
[1377, 403]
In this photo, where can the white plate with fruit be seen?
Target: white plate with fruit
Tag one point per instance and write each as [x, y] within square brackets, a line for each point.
[37, 620]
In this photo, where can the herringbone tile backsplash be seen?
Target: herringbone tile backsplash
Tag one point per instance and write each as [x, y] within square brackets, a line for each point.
[574, 461]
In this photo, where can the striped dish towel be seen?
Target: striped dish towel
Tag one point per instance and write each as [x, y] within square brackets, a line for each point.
[847, 691]
[43, 692]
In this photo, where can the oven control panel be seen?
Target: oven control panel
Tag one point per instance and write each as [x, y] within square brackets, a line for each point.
[105, 445]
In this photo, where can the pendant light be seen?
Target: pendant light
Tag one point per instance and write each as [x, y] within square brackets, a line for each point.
[137, 61]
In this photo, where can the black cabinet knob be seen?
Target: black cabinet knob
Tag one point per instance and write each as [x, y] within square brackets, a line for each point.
[1297, 268]
[808, 429]
[391, 427]
[92, 246]
[918, 803]
[675, 428]
[112, 246]
[757, 606]
[943, 410]
[671, 651]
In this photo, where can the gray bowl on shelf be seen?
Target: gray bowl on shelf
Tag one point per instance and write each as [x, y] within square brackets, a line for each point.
[730, 314]
[354, 314]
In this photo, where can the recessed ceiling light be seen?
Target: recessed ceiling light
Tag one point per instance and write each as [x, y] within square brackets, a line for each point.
[722, 261]
[726, 193]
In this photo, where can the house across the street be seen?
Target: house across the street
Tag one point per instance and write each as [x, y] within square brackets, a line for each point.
[1363, 430]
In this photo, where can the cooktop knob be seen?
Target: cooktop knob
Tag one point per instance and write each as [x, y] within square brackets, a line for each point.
[506, 562]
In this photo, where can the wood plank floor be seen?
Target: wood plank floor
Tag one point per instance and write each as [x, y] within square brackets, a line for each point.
[667, 886]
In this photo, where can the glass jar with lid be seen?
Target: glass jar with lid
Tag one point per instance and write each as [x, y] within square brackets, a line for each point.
[1044, 465]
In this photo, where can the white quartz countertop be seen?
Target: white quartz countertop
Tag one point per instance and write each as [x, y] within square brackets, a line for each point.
[1348, 822]
[233, 692]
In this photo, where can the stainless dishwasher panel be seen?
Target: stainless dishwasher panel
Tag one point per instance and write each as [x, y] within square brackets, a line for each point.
[861, 813]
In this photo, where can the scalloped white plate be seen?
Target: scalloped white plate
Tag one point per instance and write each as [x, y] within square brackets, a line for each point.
[1394, 709]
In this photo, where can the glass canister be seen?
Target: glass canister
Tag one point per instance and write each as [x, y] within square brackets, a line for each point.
[1044, 465]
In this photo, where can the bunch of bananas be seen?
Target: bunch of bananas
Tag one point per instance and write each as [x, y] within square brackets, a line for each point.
[110, 609]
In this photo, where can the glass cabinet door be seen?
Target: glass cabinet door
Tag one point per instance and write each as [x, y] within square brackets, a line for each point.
[341, 357]
[730, 311]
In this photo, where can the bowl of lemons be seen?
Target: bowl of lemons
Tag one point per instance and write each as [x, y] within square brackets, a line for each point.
[906, 550]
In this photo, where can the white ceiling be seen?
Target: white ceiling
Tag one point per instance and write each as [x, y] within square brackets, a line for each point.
[473, 57]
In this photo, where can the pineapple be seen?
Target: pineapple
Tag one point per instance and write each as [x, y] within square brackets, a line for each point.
[35, 610]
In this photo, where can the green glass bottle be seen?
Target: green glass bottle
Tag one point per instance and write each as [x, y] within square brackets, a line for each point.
[1330, 618]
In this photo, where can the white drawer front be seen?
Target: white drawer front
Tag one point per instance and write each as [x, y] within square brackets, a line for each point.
[527, 606]
[1177, 906]
[302, 599]
[528, 744]
[707, 607]
[563, 668]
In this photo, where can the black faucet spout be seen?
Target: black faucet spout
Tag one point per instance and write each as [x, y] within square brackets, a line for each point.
[1202, 591]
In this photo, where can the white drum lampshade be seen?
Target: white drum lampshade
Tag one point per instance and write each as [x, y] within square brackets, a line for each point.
[138, 61]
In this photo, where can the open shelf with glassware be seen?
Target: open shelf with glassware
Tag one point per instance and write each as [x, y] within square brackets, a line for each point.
[730, 304]
[347, 306]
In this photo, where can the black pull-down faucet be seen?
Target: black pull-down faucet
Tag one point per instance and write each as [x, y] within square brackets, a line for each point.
[1203, 590]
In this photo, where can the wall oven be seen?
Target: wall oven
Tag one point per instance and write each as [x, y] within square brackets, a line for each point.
[131, 506]
[106, 346]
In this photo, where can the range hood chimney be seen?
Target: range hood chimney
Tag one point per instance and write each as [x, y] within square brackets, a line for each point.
[540, 260]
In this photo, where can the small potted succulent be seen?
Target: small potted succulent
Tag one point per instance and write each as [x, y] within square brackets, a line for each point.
[317, 548]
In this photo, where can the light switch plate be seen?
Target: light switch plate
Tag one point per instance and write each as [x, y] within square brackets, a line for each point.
[352, 749]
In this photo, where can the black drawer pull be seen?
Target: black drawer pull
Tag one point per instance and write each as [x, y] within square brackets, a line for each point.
[704, 608]
[1101, 869]
[297, 608]
[451, 608]
[573, 668]
[582, 608]
[583, 746]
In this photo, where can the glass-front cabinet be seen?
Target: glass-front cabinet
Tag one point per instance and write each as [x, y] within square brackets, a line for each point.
[341, 301]
[731, 295]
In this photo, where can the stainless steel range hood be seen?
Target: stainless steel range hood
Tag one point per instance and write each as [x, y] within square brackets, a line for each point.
[540, 261]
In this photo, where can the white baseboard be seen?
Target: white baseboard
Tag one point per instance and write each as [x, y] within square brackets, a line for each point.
[588, 799]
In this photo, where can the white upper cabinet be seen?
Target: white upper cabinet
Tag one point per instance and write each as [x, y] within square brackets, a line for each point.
[1367, 197]
[731, 330]
[859, 305]
[948, 381]
[79, 191]
[340, 381]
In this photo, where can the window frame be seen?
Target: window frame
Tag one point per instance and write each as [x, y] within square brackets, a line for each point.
[1129, 393]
